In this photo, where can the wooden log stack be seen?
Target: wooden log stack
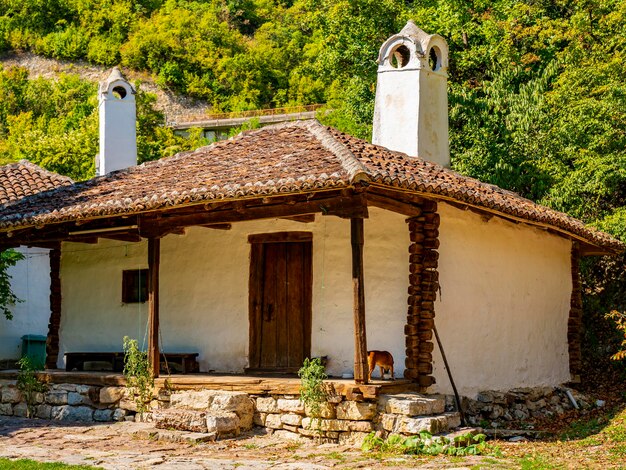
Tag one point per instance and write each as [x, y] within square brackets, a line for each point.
[52, 343]
[574, 323]
[423, 286]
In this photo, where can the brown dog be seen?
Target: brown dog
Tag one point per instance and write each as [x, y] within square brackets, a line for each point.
[383, 359]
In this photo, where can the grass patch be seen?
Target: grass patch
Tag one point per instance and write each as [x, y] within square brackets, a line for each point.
[336, 456]
[25, 464]
[583, 428]
[536, 462]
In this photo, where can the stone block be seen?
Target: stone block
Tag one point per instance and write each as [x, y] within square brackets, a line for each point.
[181, 420]
[192, 400]
[84, 389]
[119, 414]
[103, 415]
[20, 409]
[109, 395]
[235, 402]
[288, 427]
[454, 420]
[6, 409]
[259, 419]
[273, 421]
[413, 404]
[38, 398]
[288, 435]
[216, 401]
[75, 398]
[82, 414]
[56, 397]
[290, 405]
[44, 411]
[65, 387]
[327, 410]
[388, 421]
[128, 404]
[360, 426]
[431, 424]
[223, 423]
[266, 405]
[291, 419]
[356, 411]
[11, 395]
[326, 424]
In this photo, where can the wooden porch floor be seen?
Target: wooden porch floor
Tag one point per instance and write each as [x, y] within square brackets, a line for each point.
[240, 383]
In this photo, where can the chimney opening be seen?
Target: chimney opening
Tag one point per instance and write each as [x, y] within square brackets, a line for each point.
[119, 92]
[434, 58]
[400, 56]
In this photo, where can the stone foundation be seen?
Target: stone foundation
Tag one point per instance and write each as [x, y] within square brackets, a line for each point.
[68, 402]
[221, 414]
[504, 409]
[340, 420]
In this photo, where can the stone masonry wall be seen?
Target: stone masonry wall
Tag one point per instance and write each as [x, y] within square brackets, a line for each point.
[69, 402]
[226, 414]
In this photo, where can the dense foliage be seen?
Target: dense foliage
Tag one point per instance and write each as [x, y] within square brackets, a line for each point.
[54, 123]
[8, 258]
[537, 94]
[537, 89]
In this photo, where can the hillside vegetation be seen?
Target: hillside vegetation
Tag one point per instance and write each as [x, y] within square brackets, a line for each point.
[537, 89]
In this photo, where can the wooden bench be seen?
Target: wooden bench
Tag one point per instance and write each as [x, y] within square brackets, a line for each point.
[176, 362]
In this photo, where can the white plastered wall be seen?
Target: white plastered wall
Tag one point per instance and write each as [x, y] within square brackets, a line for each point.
[31, 283]
[504, 304]
[204, 291]
[502, 315]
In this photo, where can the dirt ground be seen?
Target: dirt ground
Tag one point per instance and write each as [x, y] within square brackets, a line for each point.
[128, 445]
[581, 439]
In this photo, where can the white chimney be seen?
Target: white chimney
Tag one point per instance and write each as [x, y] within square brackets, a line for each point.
[118, 116]
[411, 111]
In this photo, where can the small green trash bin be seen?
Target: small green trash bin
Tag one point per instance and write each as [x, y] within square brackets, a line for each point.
[34, 346]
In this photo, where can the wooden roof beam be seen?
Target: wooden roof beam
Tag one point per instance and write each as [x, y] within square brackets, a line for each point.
[340, 206]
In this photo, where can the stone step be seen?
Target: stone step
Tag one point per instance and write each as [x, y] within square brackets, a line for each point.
[218, 423]
[216, 402]
[153, 433]
[412, 404]
[414, 425]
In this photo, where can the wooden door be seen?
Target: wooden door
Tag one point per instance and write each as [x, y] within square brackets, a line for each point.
[280, 301]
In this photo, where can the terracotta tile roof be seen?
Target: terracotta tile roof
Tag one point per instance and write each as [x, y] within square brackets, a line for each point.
[21, 179]
[286, 158]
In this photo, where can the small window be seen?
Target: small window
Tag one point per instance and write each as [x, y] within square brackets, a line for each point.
[134, 286]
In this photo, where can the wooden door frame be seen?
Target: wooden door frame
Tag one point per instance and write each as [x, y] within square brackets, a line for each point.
[256, 285]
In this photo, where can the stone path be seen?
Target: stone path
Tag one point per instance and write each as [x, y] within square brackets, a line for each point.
[130, 445]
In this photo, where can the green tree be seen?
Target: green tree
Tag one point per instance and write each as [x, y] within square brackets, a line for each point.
[8, 259]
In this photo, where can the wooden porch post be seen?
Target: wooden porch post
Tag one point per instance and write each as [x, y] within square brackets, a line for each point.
[52, 342]
[360, 336]
[154, 257]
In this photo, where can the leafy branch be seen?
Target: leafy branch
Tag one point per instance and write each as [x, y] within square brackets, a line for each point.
[8, 258]
[139, 379]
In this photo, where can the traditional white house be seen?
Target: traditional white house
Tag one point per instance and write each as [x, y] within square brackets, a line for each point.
[297, 240]
[30, 277]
